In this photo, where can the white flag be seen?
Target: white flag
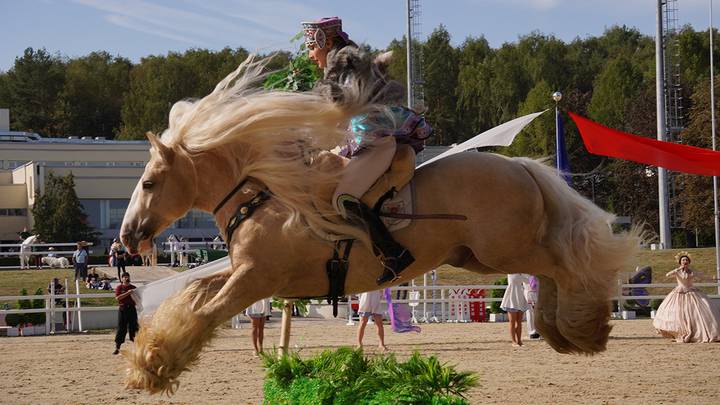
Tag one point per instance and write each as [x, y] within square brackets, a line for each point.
[501, 135]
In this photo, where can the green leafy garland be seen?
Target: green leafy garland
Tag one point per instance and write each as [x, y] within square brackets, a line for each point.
[346, 376]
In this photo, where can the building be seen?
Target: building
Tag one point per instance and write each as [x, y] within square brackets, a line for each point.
[105, 171]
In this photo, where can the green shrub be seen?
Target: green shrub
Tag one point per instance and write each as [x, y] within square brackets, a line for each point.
[346, 376]
[37, 318]
[655, 304]
[496, 293]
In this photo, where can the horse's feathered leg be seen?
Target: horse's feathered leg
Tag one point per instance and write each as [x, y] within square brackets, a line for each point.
[160, 352]
[546, 317]
[171, 341]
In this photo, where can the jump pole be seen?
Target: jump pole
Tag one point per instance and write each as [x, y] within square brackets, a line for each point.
[285, 327]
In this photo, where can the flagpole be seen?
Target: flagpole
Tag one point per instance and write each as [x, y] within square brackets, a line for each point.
[715, 182]
[557, 96]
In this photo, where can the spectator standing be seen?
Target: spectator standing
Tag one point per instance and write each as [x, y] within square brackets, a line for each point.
[118, 252]
[257, 313]
[515, 304]
[531, 296]
[80, 261]
[184, 249]
[369, 306]
[174, 246]
[127, 314]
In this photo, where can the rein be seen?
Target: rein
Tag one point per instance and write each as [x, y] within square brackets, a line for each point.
[244, 210]
[229, 195]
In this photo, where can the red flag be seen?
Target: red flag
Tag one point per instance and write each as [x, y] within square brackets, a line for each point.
[601, 140]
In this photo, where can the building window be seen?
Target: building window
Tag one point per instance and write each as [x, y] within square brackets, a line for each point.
[13, 212]
[105, 214]
[195, 219]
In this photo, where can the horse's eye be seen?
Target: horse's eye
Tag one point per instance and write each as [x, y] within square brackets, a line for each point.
[147, 184]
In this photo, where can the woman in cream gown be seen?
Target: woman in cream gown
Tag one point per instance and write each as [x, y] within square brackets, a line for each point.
[687, 314]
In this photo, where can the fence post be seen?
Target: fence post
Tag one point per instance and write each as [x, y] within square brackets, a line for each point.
[67, 308]
[621, 301]
[79, 313]
[350, 321]
[285, 327]
[442, 305]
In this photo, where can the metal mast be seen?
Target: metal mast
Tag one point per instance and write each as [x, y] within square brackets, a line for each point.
[415, 92]
[669, 111]
[665, 242]
[673, 102]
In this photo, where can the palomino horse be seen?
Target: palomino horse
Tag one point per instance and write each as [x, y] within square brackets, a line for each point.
[520, 217]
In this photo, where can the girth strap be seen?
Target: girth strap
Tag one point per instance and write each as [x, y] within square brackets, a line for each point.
[243, 212]
[337, 269]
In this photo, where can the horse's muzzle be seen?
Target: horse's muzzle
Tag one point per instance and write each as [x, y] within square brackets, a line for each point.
[135, 240]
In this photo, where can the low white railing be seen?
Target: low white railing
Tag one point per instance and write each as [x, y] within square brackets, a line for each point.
[32, 245]
[73, 314]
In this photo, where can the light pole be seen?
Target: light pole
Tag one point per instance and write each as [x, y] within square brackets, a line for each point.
[715, 182]
[557, 96]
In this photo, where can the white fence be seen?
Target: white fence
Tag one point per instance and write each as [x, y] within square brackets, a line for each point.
[69, 314]
[446, 303]
[39, 252]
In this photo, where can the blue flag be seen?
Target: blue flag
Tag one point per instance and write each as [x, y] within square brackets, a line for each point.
[563, 165]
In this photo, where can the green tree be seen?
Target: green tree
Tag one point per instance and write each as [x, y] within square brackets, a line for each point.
[538, 138]
[58, 214]
[440, 76]
[509, 83]
[617, 85]
[91, 100]
[33, 86]
[696, 198]
[473, 88]
[160, 81]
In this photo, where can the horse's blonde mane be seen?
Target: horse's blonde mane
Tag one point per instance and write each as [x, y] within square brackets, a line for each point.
[277, 131]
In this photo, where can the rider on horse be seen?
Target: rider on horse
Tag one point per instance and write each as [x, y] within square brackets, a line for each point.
[373, 138]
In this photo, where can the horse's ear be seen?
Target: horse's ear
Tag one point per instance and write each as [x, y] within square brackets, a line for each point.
[383, 60]
[166, 153]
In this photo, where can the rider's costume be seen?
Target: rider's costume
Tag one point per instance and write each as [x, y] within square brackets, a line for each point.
[372, 138]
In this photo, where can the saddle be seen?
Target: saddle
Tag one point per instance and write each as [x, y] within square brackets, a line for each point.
[399, 174]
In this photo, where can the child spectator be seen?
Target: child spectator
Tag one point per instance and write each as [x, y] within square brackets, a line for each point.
[127, 314]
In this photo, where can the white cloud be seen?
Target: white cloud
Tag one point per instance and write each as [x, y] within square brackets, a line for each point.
[133, 24]
[197, 27]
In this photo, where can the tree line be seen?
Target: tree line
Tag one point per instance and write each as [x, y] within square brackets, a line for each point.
[468, 88]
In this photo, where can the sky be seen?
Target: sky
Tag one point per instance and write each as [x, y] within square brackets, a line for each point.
[138, 28]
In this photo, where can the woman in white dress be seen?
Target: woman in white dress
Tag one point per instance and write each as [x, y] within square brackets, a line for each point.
[257, 313]
[515, 304]
[369, 305]
[687, 314]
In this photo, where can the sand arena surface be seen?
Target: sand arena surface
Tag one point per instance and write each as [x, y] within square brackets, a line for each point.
[638, 367]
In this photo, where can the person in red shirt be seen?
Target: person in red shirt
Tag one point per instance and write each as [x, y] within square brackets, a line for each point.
[127, 315]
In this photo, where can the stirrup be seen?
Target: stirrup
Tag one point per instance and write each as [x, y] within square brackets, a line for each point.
[392, 273]
[389, 275]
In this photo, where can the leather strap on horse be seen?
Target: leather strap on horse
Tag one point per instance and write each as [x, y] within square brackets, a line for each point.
[336, 269]
[244, 211]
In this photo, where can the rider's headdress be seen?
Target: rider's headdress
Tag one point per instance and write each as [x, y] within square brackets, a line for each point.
[682, 254]
[317, 32]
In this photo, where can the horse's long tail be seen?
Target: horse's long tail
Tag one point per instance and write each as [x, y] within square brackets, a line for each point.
[589, 256]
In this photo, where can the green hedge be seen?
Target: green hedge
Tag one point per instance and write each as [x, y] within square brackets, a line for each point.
[346, 376]
[497, 293]
[14, 320]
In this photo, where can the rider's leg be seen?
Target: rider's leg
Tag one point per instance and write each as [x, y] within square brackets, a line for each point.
[394, 257]
[358, 176]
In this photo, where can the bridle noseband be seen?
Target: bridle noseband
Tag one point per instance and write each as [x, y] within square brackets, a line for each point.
[243, 211]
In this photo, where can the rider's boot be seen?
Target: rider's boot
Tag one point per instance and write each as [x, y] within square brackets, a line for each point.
[394, 257]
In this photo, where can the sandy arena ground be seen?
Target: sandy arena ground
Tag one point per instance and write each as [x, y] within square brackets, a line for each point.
[637, 368]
